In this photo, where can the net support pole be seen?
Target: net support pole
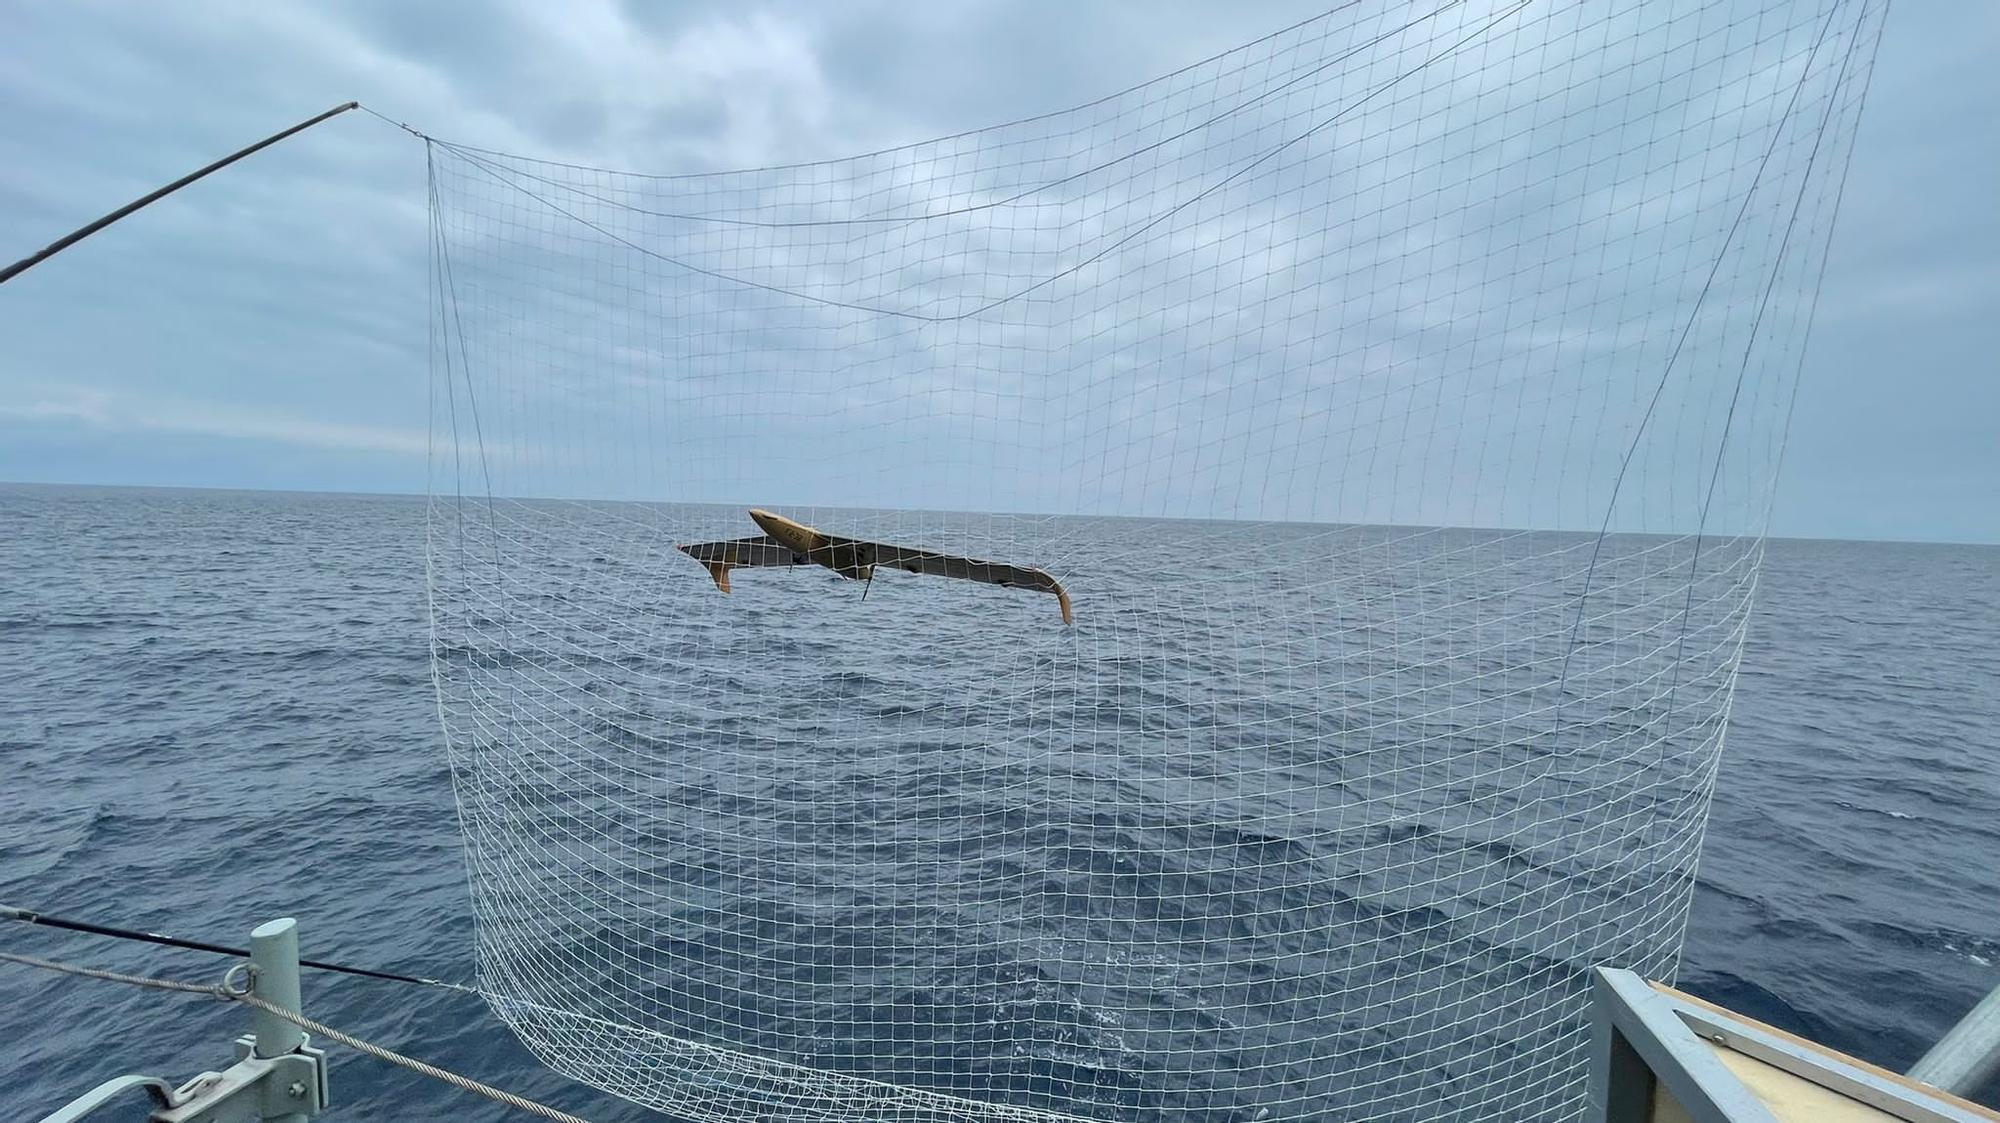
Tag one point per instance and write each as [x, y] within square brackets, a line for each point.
[79, 234]
[274, 953]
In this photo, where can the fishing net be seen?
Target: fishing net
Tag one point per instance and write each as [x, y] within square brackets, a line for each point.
[1397, 399]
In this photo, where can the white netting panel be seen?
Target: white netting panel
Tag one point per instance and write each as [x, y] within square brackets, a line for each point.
[1399, 398]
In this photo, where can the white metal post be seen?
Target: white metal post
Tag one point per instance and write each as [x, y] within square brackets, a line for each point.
[274, 952]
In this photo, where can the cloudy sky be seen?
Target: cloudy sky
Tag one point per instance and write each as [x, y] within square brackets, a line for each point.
[266, 329]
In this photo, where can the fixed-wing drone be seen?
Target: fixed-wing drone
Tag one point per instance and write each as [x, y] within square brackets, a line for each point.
[785, 542]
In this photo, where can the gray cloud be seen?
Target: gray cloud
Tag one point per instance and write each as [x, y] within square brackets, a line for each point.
[279, 310]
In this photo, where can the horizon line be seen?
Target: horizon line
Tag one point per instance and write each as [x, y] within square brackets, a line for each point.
[6, 484]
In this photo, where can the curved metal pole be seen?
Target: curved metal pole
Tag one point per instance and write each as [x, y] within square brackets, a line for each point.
[68, 240]
[163, 1095]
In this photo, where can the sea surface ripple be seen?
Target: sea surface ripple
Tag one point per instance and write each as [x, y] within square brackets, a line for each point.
[216, 707]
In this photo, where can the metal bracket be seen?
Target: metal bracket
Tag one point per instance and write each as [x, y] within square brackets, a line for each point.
[1648, 1036]
[162, 1093]
[253, 1088]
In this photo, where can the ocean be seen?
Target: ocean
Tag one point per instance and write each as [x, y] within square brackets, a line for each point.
[216, 707]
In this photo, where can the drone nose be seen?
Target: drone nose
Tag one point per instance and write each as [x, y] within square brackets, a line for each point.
[799, 537]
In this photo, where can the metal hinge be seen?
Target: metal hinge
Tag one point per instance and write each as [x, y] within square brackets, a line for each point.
[253, 1088]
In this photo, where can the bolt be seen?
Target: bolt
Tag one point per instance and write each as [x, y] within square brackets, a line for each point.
[296, 1090]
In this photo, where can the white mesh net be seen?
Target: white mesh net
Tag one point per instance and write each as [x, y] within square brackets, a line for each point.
[1343, 776]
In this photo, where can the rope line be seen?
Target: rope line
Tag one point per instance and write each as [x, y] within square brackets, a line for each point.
[502, 176]
[214, 989]
[310, 1025]
[392, 121]
[414, 1065]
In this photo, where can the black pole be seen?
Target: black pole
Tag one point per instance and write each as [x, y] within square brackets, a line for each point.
[71, 239]
[8, 912]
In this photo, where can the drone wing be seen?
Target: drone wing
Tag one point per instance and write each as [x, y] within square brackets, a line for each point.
[721, 557]
[857, 559]
[970, 569]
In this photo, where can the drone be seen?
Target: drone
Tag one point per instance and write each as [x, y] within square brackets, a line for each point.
[785, 542]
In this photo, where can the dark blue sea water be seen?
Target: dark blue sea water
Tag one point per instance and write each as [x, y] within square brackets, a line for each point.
[216, 707]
